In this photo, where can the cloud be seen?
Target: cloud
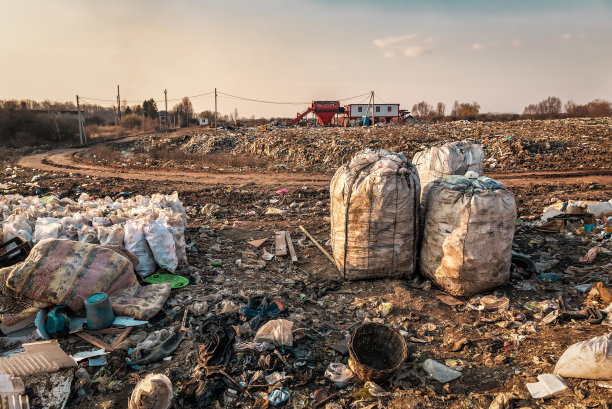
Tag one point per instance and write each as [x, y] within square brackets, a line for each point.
[566, 36]
[481, 46]
[385, 42]
[417, 51]
[389, 54]
[488, 46]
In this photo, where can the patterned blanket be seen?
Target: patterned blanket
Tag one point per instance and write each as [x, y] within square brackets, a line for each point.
[64, 272]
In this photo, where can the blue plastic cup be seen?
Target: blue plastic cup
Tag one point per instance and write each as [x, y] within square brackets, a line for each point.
[588, 227]
[99, 311]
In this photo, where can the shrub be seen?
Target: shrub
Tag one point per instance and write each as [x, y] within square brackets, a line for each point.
[20, 128]
[131, 121]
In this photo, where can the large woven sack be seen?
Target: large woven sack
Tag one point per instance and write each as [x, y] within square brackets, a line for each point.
[468, 232]
[374, 216]
[453, 158]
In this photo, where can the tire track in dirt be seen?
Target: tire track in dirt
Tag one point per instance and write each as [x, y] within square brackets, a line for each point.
[62, 161]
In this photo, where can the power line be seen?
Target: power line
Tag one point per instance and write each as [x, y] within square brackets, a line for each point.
[381, 98]
[356, 96]
[262, 101]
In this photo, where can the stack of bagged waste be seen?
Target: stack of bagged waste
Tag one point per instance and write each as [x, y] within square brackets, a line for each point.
[152, 228]
[468, 233]
[375, 216]
[453, 158]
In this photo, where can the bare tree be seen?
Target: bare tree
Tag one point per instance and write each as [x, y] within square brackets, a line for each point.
[184, 109]
[440, 109]
[235, 114]
[422, 110]
[548, 108]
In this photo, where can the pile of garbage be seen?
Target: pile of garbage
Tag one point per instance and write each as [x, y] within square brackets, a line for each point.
[508, 146]
[152, 228]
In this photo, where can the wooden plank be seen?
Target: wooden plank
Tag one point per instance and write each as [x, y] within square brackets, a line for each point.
[294, 258]
[316, 243]
[121, 338]
[93, 340]
[281, 244]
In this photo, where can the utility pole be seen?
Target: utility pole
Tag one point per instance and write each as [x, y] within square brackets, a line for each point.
[79, 119]
[215, 107]
[372, 108]
[166, 116]
[118, 103]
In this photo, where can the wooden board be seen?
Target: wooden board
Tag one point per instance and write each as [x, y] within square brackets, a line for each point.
[281, 244]
[294, 258]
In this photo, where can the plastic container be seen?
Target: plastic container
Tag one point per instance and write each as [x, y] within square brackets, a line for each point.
[99, 311]
[588, 227]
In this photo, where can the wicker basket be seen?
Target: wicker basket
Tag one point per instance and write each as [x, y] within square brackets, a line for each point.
[376, 352]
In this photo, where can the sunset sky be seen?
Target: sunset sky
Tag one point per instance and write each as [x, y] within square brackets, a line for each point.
[502, 54]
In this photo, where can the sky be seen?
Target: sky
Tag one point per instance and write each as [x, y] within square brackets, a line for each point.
[502, 54]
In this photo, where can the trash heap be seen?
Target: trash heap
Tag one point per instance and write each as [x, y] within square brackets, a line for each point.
[152, 228]
[508, 145]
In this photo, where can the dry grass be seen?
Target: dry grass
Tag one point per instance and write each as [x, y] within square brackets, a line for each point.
[105, 153]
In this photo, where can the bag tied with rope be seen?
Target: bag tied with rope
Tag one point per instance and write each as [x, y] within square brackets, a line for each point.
[375, 216]
[469, 228]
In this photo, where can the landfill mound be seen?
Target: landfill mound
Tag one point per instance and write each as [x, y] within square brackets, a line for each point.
[509, 146]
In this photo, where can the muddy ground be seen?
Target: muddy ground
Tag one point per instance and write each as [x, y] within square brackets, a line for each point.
[502, 351]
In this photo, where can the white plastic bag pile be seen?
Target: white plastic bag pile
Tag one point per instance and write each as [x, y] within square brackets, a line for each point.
[153, 228]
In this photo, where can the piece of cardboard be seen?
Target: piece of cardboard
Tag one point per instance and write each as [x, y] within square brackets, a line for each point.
[257, 243]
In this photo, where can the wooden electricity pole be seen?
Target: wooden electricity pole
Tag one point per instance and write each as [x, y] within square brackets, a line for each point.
[372, 108]
[166, 116]
[215, 107]
[79, 119]
[118, 103]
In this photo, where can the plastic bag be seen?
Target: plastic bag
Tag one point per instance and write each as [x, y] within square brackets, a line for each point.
[136, 243]
[87, 234]
[338, 373]
[46, 228]
[279, 332]
[590, 359]
[112, 235]
[177, 229]
[161, 243]
[18, 227]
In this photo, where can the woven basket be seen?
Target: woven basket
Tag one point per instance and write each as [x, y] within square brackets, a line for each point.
[376, 352]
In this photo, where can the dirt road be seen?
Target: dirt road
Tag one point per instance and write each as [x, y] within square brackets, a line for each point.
[62, 161]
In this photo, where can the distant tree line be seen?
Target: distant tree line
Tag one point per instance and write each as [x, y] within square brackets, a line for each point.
[548, 108]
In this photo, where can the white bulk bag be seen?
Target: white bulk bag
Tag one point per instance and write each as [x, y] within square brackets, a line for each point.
[374, 216]
[453, 158]
[468, 233]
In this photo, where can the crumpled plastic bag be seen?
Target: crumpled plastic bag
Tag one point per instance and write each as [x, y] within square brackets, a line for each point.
[161, 243]
[18, 227]
[46, 228]
[590, 359]
[112, 235]
[278, 332]
[136, 243]
[338, 373]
